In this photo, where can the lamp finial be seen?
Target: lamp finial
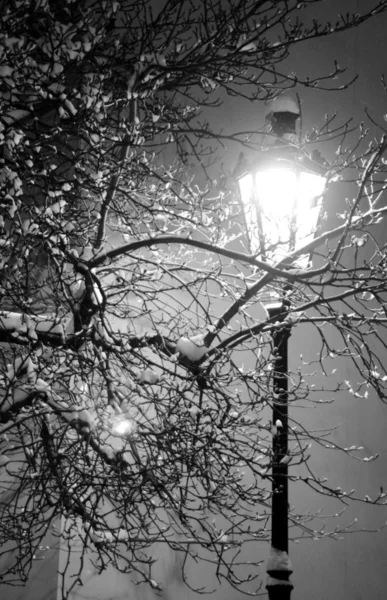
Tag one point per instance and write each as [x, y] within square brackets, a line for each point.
[282, 117]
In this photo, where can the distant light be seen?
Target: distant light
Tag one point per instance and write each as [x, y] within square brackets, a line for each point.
[123, 427]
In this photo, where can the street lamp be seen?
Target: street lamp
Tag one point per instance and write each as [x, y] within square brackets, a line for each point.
[281, 195]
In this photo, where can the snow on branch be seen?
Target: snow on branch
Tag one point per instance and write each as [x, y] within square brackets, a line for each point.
[15, 325]
[138, 362]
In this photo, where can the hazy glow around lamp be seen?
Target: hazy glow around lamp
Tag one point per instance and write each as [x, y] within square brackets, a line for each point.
[281, 195]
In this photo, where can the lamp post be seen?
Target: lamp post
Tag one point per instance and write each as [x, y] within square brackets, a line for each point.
[281, 195]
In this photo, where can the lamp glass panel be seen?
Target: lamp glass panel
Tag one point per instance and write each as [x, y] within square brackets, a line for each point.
[247, 194]
[275, 192]
[281, 209]
[309, 199]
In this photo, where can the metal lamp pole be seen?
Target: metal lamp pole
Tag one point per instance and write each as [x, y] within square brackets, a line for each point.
[278, 567]
[282, 172]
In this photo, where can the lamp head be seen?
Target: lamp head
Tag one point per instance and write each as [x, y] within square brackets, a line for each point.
[282, 123]
[282, 117]
[282, 197]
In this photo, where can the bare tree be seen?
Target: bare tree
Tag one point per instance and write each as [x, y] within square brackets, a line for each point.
[137, 358]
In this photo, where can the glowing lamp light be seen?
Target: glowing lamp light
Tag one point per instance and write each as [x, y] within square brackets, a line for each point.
[123, 427]
[281, 204]
[282, 194]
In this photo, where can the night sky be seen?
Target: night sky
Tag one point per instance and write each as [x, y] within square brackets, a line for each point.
[361, 51]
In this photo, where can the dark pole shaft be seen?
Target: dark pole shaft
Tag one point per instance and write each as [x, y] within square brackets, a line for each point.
[279, 587]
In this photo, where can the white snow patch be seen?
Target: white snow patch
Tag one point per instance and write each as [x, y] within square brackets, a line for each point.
[122, 535]
[153, 58]
[4, 459]
[155, 585]
[84, 417]
[149, 376]
[78, 385]
[41, 385]
[96, 537]
[192, 348]
[13, 322]
[294, 317]
[6, 71]
[76, 283]
[194, 410]
[50, 326]
[273, 581]
[108, 451]
[283, 103]
[20, 366]
[97, 297]
[127, 458]
[278, 561]
[57, 207]
[87, 253]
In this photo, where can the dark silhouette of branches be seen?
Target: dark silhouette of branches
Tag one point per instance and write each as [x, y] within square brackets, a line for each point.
[137, 359]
